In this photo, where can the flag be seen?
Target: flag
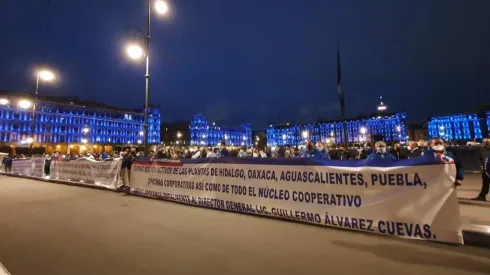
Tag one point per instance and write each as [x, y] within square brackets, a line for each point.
[339, 82]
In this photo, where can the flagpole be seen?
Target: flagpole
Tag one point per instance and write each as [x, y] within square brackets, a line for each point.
[341, 98]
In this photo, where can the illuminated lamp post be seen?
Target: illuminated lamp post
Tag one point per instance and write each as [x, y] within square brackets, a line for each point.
[135, 51]
[44, 75]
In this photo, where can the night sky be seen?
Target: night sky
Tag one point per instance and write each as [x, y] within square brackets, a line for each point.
[257, 60]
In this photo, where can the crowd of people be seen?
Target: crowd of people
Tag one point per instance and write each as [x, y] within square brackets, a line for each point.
[377, 151]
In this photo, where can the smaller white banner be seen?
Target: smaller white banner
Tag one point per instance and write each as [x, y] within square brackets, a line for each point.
[101, 173]
[33, 167]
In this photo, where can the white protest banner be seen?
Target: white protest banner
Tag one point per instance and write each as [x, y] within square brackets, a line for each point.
[412, 199]
[32, 167]
[100, 173]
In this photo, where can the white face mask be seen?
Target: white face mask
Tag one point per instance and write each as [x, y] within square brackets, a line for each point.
[409, 148]
[381, 150]
[438, 148]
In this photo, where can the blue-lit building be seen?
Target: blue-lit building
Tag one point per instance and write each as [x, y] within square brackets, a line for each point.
[388, 127]
[202, 132]
[71, 121]
[458, 127]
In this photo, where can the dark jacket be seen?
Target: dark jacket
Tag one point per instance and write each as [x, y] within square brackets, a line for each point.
[400, 153]
[378, 156]
[416, 152]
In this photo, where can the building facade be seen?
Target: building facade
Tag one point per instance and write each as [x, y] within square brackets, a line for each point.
[70, 121]
[459, 127]
[202, 132]
[387, 127]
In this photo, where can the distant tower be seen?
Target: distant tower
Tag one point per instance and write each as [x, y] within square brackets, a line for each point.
[382, 107]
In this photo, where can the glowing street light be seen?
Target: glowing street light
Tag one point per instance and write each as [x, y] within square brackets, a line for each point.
[4, 101]
[24, 104]
[398, 128]
[179, 135]
[139, 141]
[305, 134]
[29, 140]
[142, 133]
[84, 140]
[46, 75]
[85, 130]
[363, 130]
[161, 7]
[134, 51]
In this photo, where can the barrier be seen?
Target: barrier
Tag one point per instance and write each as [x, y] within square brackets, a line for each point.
[412, 199]
[87, 171]
[32, 167]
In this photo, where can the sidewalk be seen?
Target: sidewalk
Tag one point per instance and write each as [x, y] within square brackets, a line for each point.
[470, 189]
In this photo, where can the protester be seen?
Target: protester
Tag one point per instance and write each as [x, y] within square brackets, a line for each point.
[380, 153]
[437, 147]
[413, 150]
[398, 152]
[485, 168]
[223, 152]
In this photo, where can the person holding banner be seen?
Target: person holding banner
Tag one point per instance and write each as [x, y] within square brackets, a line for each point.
[438, 149]
[380, 152]
[485, 168]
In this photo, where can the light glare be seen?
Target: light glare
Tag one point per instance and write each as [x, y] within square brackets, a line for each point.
[46, 75]
[134, 51]
[4, 101]
[25, 104]
[161, 7]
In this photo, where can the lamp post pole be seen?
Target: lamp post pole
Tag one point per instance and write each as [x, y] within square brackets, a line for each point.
[147, 77]
[33, 121]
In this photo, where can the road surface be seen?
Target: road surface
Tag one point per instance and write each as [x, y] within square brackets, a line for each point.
[48, 228]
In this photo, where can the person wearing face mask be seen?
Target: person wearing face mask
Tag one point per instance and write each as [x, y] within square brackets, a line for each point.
[380, 152]
[398, 152]
[242, 153]
[437, 147]
[485, 168]
[322, 150]
[413, 150]
[311, 152]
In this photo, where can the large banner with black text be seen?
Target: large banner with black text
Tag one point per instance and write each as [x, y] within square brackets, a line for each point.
[31, 167]
[87, 171]
[413, 199]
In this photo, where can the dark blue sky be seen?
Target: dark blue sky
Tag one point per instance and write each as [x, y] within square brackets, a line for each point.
[258, 60]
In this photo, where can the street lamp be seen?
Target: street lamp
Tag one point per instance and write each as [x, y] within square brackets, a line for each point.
[4, 101]
[85, 130]
[305, 134]
[363, 130]
[179, 135]
[45, 75]
[136, 52]
[84, 140]
[24, 104]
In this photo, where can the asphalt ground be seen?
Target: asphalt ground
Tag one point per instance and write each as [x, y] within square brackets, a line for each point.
[48, 228]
